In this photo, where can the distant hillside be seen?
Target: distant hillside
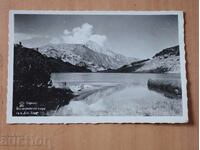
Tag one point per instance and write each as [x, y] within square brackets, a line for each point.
[165, 61]
[172, 51]
[132, 67]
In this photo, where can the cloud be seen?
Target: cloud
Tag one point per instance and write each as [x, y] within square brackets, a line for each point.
[83, 34]
[31, 40]
[78, 35]
[23, 36]
[56, 40]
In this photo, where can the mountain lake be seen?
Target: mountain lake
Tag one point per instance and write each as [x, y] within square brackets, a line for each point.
[116, 94]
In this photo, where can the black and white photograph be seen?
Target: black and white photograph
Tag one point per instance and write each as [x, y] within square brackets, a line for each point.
[96, 67]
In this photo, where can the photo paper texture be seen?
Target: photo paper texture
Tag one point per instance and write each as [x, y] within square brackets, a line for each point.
[96, 67]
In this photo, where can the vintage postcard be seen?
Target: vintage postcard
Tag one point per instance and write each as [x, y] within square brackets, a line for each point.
[96, 67]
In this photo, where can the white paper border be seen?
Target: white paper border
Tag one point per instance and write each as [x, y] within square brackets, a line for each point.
[97, 119]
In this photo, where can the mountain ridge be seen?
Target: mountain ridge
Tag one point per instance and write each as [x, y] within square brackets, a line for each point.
[95, 59]
[165, 61]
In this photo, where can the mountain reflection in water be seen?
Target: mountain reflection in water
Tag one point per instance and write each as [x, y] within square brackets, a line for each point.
[125, 95]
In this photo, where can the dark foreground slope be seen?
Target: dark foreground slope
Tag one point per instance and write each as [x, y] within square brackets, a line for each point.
[32, 94]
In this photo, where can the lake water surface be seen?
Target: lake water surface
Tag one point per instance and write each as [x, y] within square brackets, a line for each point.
[115, 94]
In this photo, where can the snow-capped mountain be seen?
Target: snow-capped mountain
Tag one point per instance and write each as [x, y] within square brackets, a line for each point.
[119, 57]
[90, 55]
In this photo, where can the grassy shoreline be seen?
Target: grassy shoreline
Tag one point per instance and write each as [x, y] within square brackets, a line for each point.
[170, 88]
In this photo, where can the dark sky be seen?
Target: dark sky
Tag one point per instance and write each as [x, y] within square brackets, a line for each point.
[138, 36]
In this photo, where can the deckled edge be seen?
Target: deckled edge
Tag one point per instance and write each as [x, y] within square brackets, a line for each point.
[107, 120]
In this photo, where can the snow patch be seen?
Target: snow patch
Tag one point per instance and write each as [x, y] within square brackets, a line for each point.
[90, 55]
